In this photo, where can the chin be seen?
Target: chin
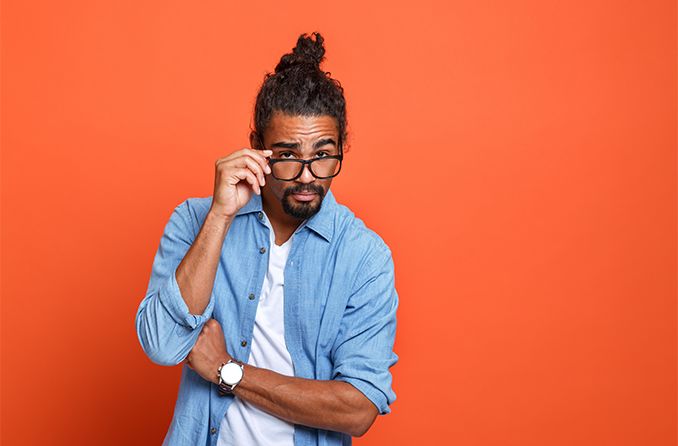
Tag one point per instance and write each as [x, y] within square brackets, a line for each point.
[301, 210]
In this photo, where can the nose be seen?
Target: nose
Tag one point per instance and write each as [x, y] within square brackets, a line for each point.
[306, 175]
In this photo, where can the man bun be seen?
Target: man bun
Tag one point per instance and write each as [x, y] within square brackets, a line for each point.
[298, 87]
[306, 52]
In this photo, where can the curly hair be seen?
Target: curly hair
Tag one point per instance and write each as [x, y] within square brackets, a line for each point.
[298, 87]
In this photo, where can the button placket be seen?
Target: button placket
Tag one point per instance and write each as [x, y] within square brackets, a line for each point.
[248, 321]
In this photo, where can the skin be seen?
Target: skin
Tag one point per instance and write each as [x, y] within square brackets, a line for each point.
[304, 131]
[323, 404]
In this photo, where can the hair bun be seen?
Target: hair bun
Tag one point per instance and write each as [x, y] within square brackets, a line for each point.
[307, 51]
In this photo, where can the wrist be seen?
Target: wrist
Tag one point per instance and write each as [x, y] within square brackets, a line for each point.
[228, 375]
[218, 217]
[248, 374]
[216, 366]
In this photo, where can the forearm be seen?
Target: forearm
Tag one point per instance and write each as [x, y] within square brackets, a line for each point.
[195, 274]
[331, 405]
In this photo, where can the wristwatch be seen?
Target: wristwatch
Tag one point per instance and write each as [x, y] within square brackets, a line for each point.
[230, 374]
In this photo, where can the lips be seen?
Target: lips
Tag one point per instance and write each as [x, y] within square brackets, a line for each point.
[304, 196]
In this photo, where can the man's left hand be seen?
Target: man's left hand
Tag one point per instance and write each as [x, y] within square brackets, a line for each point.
[209, 351]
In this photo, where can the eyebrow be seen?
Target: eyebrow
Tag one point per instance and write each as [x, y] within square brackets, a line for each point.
[295, 145]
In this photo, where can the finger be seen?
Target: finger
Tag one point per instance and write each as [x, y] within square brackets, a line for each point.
[258, 155]
[247, 175]
[256, 166]
[251, 164]
[238, 156]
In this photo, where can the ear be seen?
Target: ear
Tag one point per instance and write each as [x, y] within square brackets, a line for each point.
[254, 141]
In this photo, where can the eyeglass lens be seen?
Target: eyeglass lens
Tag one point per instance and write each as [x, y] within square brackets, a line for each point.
[320, 168]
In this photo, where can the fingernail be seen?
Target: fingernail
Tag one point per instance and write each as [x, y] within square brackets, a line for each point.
[268, 151]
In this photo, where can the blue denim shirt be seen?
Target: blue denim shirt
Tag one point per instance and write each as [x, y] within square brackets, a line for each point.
[340, 310]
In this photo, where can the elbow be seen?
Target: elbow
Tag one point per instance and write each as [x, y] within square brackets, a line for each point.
[358, 432]
[360, 429]
[360, 411]
[161, 354]
[158, 352]
[363, 422]
[162, 358]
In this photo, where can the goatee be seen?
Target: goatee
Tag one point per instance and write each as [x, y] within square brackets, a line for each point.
[302, 210]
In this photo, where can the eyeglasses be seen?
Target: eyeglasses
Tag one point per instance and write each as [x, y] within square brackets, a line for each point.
[285, 169]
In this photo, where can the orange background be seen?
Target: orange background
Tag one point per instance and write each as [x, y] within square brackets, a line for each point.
[518, 157]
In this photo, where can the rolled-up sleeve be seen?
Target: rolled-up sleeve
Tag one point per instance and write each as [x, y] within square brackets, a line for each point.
[363, 352]
[166, 329]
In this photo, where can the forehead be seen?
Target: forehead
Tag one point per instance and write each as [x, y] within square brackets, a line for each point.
[287, 126]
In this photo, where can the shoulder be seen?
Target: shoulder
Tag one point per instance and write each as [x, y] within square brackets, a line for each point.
[198, 206]
[193, 211]
[363, 243]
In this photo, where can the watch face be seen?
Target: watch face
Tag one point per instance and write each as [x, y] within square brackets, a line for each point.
[231, 373]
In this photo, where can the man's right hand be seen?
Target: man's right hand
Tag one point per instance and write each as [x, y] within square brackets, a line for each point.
[237, 176]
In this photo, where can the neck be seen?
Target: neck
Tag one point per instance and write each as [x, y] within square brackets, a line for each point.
[283, 224]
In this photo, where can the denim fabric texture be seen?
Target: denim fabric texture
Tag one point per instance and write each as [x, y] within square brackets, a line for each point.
[339, 309]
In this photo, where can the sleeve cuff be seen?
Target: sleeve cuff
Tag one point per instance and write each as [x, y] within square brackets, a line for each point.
[372, 393]
[171, 299]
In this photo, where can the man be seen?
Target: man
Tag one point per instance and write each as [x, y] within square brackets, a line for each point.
[279, 301]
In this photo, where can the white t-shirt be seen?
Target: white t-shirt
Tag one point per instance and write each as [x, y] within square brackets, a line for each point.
[245, 424]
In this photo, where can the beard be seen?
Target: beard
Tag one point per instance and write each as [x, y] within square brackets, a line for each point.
[306, 209]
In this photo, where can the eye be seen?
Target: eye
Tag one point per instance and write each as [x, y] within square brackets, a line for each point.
[322, 154]
[285, 155]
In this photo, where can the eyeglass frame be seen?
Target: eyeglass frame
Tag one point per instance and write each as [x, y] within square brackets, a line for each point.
[272, 161]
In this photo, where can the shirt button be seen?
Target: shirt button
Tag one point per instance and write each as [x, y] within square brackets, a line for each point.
[213, 430]
[243, 343]
[251, 296]
[262, 250]
[260, 215]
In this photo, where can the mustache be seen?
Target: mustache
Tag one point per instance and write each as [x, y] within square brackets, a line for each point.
[305, 188]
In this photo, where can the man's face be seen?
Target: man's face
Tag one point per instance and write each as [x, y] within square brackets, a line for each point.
[299, 137]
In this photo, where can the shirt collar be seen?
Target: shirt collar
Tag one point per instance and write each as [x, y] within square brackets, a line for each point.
[322, 222]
